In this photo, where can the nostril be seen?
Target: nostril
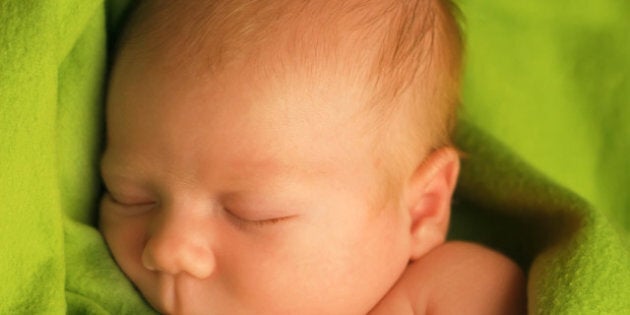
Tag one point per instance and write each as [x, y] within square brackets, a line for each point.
[147, 260]
[201, 273]
[198, 262]
[179, 255]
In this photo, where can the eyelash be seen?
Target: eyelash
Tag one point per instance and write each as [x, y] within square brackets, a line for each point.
[120, 203]
[237, 220]
[245, 223]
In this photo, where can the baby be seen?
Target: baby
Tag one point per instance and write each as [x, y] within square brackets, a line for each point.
[292, 157]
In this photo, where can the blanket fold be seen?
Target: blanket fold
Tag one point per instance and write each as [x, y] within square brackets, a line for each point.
[576, 260]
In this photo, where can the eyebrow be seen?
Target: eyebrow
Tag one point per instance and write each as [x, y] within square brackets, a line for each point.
[278, 168]
[241, 173]
[239, 170]
[117, 167]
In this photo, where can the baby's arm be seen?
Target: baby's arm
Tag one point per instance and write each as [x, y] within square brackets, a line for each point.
[457, 278]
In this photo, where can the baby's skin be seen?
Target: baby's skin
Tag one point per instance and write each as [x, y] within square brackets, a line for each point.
[266, 184]
[457, 278]
[225, 200]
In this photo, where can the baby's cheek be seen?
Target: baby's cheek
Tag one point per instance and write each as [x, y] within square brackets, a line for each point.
[125, 238]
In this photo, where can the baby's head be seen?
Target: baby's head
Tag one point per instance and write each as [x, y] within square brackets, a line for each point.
[279, 157]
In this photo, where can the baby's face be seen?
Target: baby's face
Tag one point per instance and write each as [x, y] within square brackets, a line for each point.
[229, 194]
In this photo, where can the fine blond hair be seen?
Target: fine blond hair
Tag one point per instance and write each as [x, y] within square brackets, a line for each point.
[410, 52]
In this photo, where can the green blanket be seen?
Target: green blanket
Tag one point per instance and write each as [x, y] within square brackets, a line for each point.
[548, 80]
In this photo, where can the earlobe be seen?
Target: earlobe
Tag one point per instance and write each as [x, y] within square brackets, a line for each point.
[428, 200]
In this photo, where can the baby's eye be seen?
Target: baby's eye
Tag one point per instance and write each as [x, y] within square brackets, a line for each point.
[241, 222]
[128, 201]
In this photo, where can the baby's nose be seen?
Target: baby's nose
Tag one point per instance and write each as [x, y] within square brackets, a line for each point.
[177, 248]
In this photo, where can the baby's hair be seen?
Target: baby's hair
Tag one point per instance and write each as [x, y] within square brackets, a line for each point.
[407, 51]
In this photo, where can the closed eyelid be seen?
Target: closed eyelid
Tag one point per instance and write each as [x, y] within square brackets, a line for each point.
[129, 197]
[244, 224]
[270, 206]
[127, 190]
[121, 173]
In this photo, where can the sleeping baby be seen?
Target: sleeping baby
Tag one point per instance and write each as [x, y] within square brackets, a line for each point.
[292, 157]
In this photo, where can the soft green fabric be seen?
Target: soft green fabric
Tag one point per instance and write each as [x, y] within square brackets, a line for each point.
[548, 79]
[551, 79]
[52, 70]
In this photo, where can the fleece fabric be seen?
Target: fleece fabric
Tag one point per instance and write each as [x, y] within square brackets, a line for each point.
[545, 128]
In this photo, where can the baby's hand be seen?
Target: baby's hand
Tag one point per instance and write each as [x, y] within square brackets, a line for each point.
[457, 278]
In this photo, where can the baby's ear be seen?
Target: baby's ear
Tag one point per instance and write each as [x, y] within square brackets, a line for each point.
[428, 200]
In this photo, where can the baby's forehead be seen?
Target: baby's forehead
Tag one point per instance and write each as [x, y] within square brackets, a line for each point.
[387, 47]
[371, 37]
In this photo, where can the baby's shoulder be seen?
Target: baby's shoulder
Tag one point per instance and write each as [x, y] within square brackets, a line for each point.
[457, 278]
[467, 278]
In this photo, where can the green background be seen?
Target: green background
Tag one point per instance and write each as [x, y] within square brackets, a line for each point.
[551, 80]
